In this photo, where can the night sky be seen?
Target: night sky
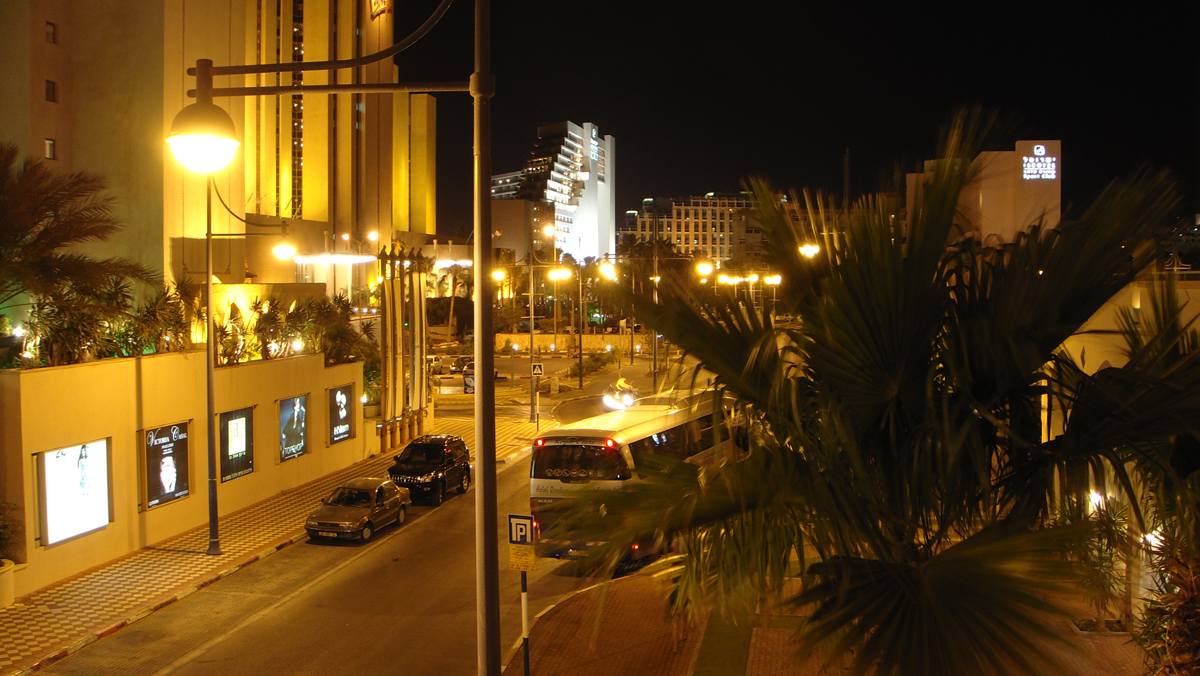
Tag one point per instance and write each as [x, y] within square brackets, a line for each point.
[700, 99]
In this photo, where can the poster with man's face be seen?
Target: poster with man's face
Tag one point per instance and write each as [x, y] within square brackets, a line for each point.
[76, 490]
[237, 443]
[293, 431]
[166, 450]
[341, 413]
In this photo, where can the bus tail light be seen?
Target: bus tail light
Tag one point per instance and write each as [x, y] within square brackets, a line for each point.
[610, 443]
[539, 442]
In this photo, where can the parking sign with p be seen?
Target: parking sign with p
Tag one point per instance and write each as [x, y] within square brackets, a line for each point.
[520, 543]
[520, 529]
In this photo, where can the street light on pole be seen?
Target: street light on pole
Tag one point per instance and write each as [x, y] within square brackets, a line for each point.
[204, 135]
[556, 275]
[202, 140]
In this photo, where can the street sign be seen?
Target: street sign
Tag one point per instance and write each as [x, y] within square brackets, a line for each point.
[538, 369]
[520, 543]
[520, 529]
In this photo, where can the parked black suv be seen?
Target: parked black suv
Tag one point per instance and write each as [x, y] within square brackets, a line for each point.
[431, 465]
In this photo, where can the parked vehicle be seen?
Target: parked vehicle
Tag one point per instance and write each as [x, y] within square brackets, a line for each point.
[457, 365]
[358, 508]
[433, 464]
[434, 361]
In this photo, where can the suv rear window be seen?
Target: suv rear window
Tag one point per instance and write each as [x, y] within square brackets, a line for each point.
[578, 463]
[423, 453]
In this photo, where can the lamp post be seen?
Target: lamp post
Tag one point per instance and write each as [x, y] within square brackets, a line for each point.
[205, 134]
[582, 307]
[556, 275]
[202, 140]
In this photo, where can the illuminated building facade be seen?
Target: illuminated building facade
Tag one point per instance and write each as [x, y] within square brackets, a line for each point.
[572, 173]
[1008, 191]
[718, 226]
[94, 86]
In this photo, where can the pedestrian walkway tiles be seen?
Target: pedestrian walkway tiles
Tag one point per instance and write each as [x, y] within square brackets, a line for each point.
[63, 613]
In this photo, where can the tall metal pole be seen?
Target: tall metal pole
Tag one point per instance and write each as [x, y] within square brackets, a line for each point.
[654, 331]
[214, 537]
[533, 413]
[582, 308]
[487, 557]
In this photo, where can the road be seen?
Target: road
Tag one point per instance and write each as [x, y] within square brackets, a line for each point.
[404, 603]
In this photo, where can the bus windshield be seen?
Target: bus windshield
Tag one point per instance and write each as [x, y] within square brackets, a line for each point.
[578, 463]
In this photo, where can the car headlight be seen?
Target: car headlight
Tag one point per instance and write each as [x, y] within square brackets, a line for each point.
[426, 478]
[310, 523]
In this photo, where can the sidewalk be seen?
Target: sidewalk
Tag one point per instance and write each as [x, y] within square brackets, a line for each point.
[55, 621]
[625, 627]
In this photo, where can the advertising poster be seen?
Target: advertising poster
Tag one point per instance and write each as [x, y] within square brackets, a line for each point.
[237, 443]
[76, 490]
[341, 413]
[293, 430]
[166, 452]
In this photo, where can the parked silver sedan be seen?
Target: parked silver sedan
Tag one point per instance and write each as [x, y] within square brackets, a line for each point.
[358, 508]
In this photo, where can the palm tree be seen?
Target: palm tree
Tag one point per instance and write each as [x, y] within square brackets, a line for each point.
[895, 441]
[44, 215]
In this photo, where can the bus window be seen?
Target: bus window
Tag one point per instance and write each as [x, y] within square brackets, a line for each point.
[577, 463]
[642, 451]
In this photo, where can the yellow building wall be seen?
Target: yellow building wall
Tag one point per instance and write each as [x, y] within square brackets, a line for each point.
[51, 408]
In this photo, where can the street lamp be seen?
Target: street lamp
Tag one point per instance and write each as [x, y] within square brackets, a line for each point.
[204, 135]
[556, 275]
[705, 269]
[810, 250]
[774, 281]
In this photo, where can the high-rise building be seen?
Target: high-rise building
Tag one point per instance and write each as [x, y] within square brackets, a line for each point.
[95, 86]
[571, 173]
[717, 226]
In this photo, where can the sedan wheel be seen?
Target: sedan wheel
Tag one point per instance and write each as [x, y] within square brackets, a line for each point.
[367, 533]
[466, 483]
[439, 495]
[401, 514]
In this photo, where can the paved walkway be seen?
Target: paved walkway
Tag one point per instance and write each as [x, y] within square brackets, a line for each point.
[54, 621]
[625, 627]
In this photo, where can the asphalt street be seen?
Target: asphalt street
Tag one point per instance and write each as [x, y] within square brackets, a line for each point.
[402, 604]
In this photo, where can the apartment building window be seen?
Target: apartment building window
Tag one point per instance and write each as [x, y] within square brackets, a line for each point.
[51, 91]
[51, 149]
[51, 33]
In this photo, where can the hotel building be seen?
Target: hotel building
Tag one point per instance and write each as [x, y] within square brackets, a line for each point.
[569, 182]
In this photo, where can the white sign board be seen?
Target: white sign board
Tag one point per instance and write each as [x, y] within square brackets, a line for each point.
[75, 481]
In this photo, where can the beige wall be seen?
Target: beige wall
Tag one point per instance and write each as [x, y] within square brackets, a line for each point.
[51, 408]
[1095, 345]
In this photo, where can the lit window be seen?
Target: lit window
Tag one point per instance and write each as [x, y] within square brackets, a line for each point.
[51, 150]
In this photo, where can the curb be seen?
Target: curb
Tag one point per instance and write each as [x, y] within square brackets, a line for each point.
[512, 652]
[157, 605]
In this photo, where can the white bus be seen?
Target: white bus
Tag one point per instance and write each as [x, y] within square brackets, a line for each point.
[604, 453]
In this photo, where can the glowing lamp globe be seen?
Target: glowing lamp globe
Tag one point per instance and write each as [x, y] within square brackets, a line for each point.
[203, 138]
[285, 250]
[704, 268]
